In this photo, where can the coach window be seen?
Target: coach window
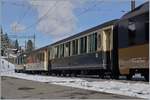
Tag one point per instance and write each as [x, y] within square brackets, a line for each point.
[32, 58]
[39, 57]
[147, 31]
[61, 50]
[74, 47]
[131, 32]
[42, 56]
[95, 41]
[49, 53]
[83, 45]
[140, 29]
[92, 42]
[89, 43]
[147, 27]
[36, 57]
[56, 51]
[52, 53]
[67, 49]
[99, 41]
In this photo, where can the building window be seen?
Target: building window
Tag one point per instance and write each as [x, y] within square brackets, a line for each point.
[83, 45]
[74, 47]
[92, 42]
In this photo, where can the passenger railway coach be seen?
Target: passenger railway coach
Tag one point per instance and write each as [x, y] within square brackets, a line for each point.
[117, 47]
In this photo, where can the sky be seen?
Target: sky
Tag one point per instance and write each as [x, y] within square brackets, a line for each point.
[53, 20]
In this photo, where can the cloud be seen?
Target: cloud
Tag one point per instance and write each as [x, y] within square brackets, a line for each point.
[56, 17]
[17, 27]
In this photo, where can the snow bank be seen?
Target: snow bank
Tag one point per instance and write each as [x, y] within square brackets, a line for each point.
[138, 89]
[6, 67]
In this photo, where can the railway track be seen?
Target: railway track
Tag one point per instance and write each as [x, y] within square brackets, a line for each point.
[91, 78]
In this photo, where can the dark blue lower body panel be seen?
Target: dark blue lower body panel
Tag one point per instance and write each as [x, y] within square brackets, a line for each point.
[90, 61]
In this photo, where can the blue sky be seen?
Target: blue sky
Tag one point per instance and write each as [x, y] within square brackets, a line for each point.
[83, 15]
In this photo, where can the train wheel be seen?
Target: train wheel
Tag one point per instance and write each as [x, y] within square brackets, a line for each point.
[129, 77]
[73, 75]
[82, 73]
[64, 74]
[57, 74]
[146, 77]
[53, 74]
[114, 76]
[101, 76]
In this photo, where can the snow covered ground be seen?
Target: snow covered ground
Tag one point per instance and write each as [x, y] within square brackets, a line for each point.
[135, 89]
[141, 90]
[6, 67]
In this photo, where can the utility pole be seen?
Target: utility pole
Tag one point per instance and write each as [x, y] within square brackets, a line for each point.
[132, 5]
[34, 40]
[1, 32]
[25, 45]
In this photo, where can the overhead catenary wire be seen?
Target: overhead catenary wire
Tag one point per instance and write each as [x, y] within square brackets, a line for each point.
[41, 18]
[25, 13]
[89, 8]
[22, 17]
[50, 9]
[20, 4]
[81, 13]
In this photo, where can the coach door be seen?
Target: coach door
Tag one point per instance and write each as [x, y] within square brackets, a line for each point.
[106, 47]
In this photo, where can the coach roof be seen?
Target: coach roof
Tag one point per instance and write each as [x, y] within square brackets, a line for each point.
[137, 11]
[87, 31]
[76, 35]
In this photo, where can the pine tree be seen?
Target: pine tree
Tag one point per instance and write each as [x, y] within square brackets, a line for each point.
[29, 46]
[16, 44]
